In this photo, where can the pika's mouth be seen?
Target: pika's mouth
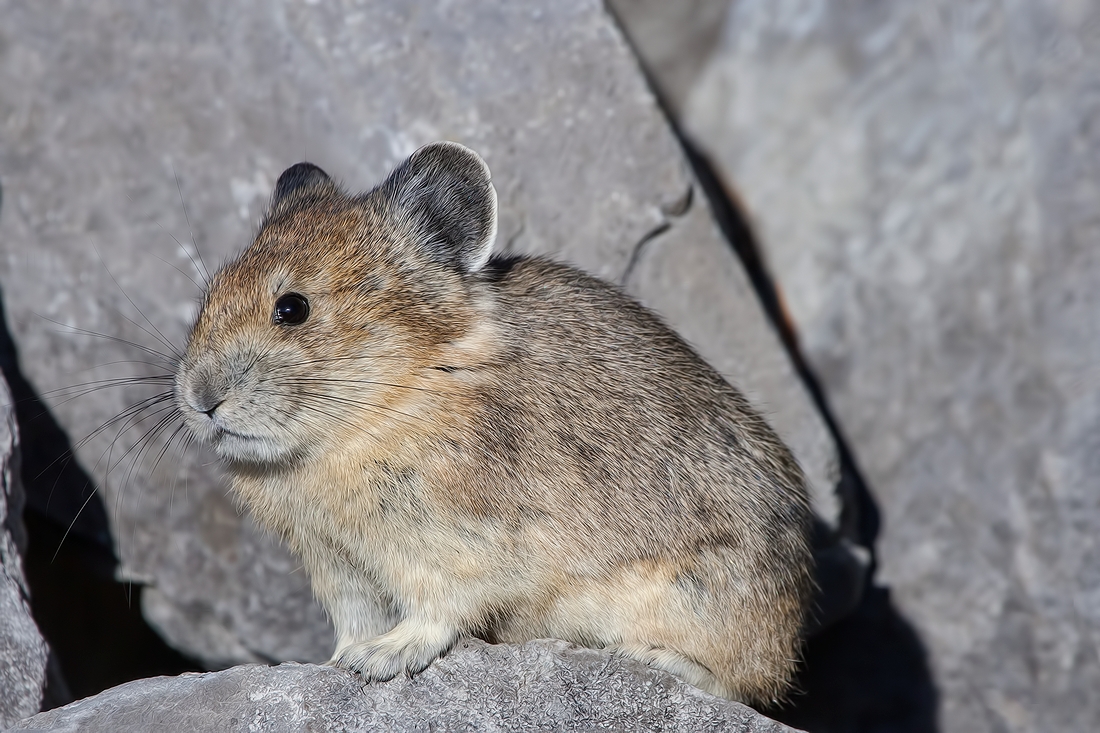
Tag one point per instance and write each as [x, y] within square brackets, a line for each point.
[221, 433]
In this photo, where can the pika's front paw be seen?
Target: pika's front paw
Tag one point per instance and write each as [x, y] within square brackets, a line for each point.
[409, 647]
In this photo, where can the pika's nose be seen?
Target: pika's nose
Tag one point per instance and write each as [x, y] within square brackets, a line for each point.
[205, 399]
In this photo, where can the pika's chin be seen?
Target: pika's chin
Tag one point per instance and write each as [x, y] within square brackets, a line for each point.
[256, 449]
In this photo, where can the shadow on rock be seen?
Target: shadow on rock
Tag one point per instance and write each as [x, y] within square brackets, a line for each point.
[93, 623]
[866, 673]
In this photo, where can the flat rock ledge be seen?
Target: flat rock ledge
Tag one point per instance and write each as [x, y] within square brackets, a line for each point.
[542, 685]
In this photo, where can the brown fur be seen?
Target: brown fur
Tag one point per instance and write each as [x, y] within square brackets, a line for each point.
[513, 449]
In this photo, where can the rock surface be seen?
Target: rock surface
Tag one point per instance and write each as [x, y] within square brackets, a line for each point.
[538, 686]
[675, 41]
[23, 652]
[923, 177]
[139, 135]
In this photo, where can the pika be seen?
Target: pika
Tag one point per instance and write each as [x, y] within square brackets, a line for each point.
[457, 444]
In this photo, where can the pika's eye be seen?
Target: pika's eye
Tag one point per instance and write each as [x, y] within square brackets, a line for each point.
[290, 310]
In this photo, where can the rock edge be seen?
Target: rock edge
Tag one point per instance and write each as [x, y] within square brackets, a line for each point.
[542, 685]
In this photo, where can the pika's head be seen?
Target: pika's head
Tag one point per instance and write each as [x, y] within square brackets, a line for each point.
[340, 310]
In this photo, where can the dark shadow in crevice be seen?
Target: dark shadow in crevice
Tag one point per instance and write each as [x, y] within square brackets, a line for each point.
[92, 622]
[868, 671]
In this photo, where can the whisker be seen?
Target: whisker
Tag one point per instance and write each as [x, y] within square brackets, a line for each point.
[330, 359]
[160, 457]
[61, 396]
[180, 244]
[310, 404]
[157, 337]
[332, 380]
[133, 409]
[332, 416]
[72, 524]
[184, 250]
[158, 334]
[118, 495]
[127, 419]
[167, 445]
[141, 440]
[94, 490]
[117, 363]
[144, 442]
[360, 403]
[98, 384]
[168, 360]
[200, 287]
[187, 218]
[186, 443]
[58, 402]
[106, 457]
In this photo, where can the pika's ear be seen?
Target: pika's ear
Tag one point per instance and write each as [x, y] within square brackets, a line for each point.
[445, 193]
[299, 177]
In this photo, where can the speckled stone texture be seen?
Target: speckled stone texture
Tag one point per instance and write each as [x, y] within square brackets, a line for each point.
[538, 686]
[924, 178]
[139, 135]
[23, 652]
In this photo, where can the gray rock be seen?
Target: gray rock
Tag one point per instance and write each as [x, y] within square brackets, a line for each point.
[924, 180]
[23, 652]
[675, 40]
[138, 136]
[538, 686]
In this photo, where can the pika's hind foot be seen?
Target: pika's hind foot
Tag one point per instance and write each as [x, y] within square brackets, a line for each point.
[408, 647]
[688, 670]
